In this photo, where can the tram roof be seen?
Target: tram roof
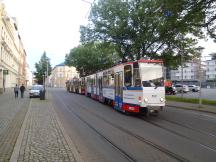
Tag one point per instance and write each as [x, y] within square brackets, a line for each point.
[144, 61]
[128, 63]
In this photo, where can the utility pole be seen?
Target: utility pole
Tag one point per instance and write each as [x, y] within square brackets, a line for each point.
[181, 73]
[47, 74]
[200, 76]
[44, 80]
[200, 83]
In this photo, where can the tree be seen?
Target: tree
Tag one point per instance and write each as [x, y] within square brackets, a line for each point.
[213, 56]
[41, 68]
[158, 29]
[91, 57]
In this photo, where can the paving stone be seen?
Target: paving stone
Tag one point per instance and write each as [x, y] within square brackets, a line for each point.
[12, 114]
[43, 139]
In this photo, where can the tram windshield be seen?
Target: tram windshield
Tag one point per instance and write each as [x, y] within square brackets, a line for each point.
[151, 75]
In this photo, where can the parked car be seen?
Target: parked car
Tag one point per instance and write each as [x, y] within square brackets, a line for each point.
[34, 91]
[181, 88]
[193, 88]
[170, 90]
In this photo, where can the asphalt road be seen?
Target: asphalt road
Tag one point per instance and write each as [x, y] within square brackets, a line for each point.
[206, 93]
[103, 134]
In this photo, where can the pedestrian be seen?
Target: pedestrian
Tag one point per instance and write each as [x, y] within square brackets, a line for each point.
[16, 91]
[22, 89]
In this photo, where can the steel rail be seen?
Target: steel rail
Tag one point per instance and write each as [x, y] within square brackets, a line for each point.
[149, 142]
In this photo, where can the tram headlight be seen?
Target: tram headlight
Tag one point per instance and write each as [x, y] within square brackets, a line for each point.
[162, 99]
[145, 99]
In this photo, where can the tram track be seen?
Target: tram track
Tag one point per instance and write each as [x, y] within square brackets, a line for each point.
[179, 134]
[142, 139]
[121, 151]
[188, 127]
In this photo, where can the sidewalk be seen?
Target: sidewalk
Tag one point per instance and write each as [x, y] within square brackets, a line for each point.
[12, 114]
[42, 137]
[191, 106]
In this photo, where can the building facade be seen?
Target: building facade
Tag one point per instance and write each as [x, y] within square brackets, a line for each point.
[29, 76]
[190, 73]
[193, 72]
[210, 69]
[60, 74]
[210, 73]
[12, 53]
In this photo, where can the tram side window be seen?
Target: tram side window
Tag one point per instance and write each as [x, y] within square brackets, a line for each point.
[93, 81]
[128, 75]
[111, 78]
[105, 79]
[136, 77]
[100, 82]
[88, 81]
[83, 81]
[116, 84]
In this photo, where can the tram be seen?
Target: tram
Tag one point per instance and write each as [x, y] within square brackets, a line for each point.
[131, 87]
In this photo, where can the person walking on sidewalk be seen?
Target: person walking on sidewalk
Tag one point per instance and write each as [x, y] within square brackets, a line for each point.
[16, 91]
[22, 89]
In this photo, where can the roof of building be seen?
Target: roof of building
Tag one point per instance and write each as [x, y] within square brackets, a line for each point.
[61, 64]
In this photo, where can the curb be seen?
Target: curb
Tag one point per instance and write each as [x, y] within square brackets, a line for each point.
[190, 108]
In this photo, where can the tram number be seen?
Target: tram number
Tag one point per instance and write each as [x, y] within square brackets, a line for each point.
[154, 95]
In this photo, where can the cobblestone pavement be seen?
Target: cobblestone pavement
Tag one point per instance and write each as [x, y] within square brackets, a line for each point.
[43, 138]
[12, 114]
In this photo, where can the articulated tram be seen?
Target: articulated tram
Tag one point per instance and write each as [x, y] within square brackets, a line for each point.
[136, 87]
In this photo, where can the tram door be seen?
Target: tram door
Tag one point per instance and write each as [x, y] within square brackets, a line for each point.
[118, 90]
[100, 87]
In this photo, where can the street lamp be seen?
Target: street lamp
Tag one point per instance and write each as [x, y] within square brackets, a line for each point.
[44, 81]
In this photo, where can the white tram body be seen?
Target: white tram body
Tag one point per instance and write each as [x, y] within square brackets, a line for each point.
[136, 87]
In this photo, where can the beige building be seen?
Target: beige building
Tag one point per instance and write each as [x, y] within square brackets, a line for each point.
[12, 53]
[29, 76]
[60, 74]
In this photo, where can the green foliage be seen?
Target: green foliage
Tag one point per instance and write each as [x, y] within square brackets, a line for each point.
[41, 68]
[155, 29]
[92, 57]
[213, 56]
[191, 100]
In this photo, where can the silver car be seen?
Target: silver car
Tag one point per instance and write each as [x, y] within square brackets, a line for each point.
[183, 88]
[193, 88]
[34, 91]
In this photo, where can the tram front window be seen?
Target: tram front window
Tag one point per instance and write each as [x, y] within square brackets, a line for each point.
[153, 83]
[151, 75]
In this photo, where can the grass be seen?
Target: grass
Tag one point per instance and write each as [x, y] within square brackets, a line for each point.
[191, 100]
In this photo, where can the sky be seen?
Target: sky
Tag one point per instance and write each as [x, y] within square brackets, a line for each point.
[53, 26]
[48, 25]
